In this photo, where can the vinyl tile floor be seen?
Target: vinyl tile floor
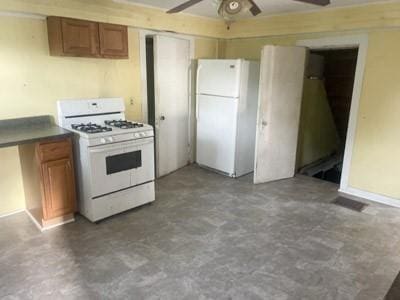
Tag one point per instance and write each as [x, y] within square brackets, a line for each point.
[210, 237]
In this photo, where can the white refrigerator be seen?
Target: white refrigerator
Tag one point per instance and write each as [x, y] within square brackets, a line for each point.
[226, 114]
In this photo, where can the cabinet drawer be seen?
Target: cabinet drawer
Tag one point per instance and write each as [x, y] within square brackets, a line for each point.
[54, 150]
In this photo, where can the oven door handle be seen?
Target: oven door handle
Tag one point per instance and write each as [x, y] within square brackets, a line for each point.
[121, 146]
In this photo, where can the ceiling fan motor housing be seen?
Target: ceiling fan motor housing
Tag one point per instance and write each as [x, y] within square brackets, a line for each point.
[230, 8]
[233, 7]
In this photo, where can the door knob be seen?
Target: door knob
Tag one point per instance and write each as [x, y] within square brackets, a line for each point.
[162, 118]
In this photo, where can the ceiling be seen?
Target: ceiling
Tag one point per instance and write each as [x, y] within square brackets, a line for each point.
[208, 8]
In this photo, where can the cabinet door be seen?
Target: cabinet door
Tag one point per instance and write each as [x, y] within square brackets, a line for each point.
[113, 41]
[59, 188]
[80, 38]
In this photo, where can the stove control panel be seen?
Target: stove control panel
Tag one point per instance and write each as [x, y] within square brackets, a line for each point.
[116, 138]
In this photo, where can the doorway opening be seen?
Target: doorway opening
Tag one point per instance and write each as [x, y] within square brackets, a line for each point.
[327, 99]
[151, 104]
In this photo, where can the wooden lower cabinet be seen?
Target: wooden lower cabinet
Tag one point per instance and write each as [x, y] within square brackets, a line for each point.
[59, 188]
[49, 181]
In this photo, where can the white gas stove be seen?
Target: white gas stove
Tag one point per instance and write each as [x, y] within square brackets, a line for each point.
[114, 157]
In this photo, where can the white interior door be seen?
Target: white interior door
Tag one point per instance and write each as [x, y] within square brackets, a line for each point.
[171, 74]
[281, 88]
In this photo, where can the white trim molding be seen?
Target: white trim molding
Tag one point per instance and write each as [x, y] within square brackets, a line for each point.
[41, 228]
[345, 42]
[34, 220]
[22, 15]
[14, 212]
[371, 196]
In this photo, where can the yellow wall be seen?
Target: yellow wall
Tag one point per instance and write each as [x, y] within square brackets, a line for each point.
[366, 17]
[11, 191]
[31, 82]
[206, 48]
[119, 13]
[375, 162]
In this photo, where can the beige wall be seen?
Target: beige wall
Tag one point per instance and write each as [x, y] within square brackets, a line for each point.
[31, 82]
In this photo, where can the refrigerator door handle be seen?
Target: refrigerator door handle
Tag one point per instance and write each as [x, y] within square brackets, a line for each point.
[197, 88]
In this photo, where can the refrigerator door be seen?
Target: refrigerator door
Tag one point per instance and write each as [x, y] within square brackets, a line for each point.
[219, 77]
[216, 132]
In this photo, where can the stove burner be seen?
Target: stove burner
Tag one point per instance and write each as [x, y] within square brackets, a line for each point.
[90, 128]
[123, 124]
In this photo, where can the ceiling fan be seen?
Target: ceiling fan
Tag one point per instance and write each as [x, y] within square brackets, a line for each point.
[228, 9]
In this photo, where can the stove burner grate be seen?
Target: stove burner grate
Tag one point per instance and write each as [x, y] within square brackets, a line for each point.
[123, 124]
[90, 128]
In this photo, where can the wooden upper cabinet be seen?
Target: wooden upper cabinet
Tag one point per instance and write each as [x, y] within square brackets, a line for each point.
[73, 37]
[80, 38]
[113, 40]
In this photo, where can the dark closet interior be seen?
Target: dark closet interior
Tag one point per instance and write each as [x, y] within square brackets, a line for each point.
[150, 80]
[336, 70]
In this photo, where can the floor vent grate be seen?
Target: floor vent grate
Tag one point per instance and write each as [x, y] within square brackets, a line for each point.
[350, 204]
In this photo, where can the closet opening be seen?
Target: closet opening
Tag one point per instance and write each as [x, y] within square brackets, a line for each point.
[328, 91]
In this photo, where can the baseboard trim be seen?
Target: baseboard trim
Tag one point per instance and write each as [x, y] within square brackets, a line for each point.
[34, 220]
[41, 228]
[72, 219]
[14, 212]
[371, 196]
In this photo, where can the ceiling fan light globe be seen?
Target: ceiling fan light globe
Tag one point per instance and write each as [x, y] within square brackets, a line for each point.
[233, 7]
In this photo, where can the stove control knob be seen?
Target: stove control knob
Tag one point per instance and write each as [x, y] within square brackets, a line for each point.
[142, 134]
[137, 135]
[110, 139]
[103, 141]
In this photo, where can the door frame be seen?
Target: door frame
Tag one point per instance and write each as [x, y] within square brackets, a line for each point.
[346, 42]
[191, 86]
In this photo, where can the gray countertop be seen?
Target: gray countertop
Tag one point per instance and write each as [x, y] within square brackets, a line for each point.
[29, 130]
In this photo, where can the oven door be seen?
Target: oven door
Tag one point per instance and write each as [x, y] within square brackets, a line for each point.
[122, 165]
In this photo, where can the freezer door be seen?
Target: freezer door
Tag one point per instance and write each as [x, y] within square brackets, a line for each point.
[216, 132]
[219, 77]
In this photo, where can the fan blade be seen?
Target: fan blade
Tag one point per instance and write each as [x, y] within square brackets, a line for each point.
[183, 6]
[316, 2]
[255, 10]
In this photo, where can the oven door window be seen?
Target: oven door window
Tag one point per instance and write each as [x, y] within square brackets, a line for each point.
[123, 162]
